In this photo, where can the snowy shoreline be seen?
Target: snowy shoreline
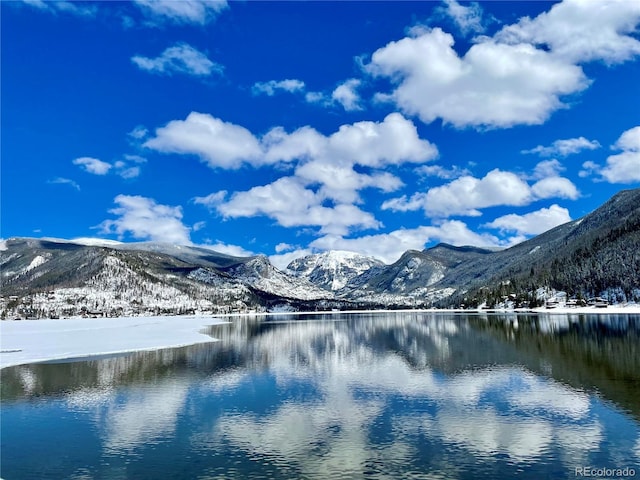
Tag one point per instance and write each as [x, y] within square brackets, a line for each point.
[31, 341]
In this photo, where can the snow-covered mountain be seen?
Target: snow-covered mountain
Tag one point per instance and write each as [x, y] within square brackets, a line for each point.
[258, 273]
[334, 269]
[596, 255]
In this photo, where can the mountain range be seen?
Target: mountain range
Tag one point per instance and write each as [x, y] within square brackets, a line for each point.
[596, 255]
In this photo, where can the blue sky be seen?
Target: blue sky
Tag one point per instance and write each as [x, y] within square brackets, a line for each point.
[297, 127]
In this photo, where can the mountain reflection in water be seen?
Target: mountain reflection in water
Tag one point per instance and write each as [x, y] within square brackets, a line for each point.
[342, 396]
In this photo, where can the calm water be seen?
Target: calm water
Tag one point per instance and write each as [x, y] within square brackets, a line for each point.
[350, 396]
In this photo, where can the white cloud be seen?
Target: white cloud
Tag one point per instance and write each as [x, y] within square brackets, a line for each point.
[581, 31]
[467, 18]
[440, 172]
[64, 181]
[93, 165]
[389, 247]
[492, 85]
[198, 12]
[291, 204]
[211, 200]
[344, 94]
[347, 96]
[547, 168]
[180, 58]
[135, 158]
[144, 219]
[550, 187]
[227, 249]
[271, 87]
[139, 132]
[467, 194]
[73, 8]
[393, 141]
[217, 143]
[566, 147]
[282, 258]
[532, 223]
[121, 167]
[588, 168]
[284, 247]
[317, 98]
[629, 140]
[341, 182]
[624, 167]
[129, 172]
[324, 166]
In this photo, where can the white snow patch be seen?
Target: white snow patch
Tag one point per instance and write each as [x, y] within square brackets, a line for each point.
[41, 340]
[36, 262]
[98, 242]
[3, 245]
[534, 250]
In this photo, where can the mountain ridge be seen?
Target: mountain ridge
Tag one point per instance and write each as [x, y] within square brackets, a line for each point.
[596, 255]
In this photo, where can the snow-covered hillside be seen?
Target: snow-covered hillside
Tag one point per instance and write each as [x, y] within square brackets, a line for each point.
[592, 257]
[332, 270]
[260, 274]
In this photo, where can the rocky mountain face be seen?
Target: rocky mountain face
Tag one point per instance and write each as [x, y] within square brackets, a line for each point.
[597, 255]
[332, 270]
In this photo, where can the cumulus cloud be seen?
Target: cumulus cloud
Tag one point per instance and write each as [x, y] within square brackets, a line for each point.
[554, 187]
[564, 148]
[121, 167]
[520, 76]
[319, 98]
[217, 143]
[547, 168]
[282, 259]
[144, 219]
[211, 200]
[346, 94]
[180, 58]
[492, 85]
[271, 87]
[467, 194]
[393, 141]
[467, 18]
[325, 185]
[93, 165]
[624, 167]
[581, 31]
[388, 247]
[588, 168]
[227, 249]
[291, 204]
[198, 12]
[533, 223]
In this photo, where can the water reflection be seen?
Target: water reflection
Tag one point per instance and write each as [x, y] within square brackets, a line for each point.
[354, 396]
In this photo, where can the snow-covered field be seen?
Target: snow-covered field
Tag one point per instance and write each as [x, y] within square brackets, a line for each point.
[29, 341]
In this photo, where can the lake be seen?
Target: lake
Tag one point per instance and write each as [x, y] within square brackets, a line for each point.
[345, 396]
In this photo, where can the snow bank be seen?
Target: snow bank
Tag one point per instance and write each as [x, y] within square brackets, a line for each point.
[29, 341]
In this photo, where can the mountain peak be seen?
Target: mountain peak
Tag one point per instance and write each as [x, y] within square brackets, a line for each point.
[332, 269]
